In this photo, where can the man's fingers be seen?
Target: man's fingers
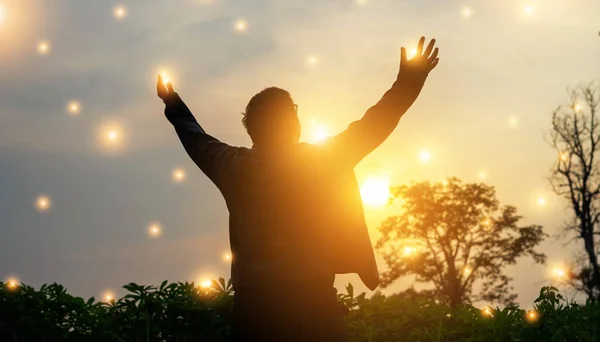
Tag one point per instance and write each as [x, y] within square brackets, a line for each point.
[434, 64]
[434, 56]
[170, 87]
[429, 48]
[420, 46]
[403, 58]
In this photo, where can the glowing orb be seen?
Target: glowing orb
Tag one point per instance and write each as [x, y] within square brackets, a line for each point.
[120, 12]
[312, 60]
[207, 283]
[559, 273]
[165, 77]
[467, 271]
[512, 121]
[375, 191]
[408, 251]
[529, 9]
[43, 47]
[411, 53]
[532, 316]
[178, 175]
[467, 12]
[564, 156]
[12, 283]
[541, 201]
[154, 230]
[425, 156]
[481, 174]
[108, 296]
[319, 134]
[227, 257]
[73, 108]
[361, 2]
[111, 136]
[577, 107]
[240, 25]
[43, 203]
[487, 312]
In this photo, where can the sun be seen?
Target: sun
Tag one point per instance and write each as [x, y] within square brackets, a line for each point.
[375, 191]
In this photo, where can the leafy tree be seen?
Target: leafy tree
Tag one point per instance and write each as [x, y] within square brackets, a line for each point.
[575, 135]
[451, 235]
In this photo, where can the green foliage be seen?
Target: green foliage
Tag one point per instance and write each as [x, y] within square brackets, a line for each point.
[186, 312]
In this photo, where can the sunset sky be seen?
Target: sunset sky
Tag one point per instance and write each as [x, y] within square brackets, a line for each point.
[80, 122]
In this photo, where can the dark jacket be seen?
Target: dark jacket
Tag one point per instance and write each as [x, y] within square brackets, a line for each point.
[295, 214]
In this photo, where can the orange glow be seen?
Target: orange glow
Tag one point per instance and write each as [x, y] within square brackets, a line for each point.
[312, 60]
[110, 136]
[43, 203]
[207, 283]
[467, 271]
[120, 12]
[529, 9]
[408, 251]
[532, 316]
[73, 108]
[512, 121]
[154, 230]
[108, 296]
[227, 256]
[467, 12]
[319, 134]
[488, 312]
[375, 191]
[541, 201]
[43, 47]
[178, 175]
[411, 53]
[240, 25]
[2, 14]
[425, 156]
[12, 283]
[559, 273]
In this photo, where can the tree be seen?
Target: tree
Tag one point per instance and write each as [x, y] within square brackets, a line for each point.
[575, 136]
[451, 235]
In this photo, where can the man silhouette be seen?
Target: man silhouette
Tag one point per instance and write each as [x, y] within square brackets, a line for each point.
[295, 213]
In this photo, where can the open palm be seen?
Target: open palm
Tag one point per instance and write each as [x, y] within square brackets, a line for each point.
[421, 64]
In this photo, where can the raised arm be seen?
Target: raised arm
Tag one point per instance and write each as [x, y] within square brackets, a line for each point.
[213, 157]
[365, 135]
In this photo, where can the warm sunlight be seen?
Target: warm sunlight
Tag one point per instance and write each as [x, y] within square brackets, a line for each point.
[531, 316]
[12, 283]
[513, 121]
[467, 12]
[111, 136]
[409, 251]
[154, 230]
[559, 273]
[206, 283]
[488, 312]
[227, 257]
[481, 174]
[466, 271]
[108, 296]
[312, 60]
[411, 53]
[529, 9]
[375, 191]
[43, 48]
[425, 156]
[165, 76]
[2, 14]
[541, 201]
[319, 134]
[42, 203]
[178, 175]
[120, 12]
[73, 108]
[240, 25]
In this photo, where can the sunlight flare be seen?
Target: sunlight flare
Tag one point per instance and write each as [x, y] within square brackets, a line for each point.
[110, 136]
[312, 60]
[319, 134]
[541, 201]
[425, 156]
[3, 14]
[559, 273]
[43, 48]
[467, 12]
[240, 25]
[531, 316]
[375, 191]
[43, 203]
[227, 257]
[512, 121]
[12, 283]
[73, 108]
[467, 271]
[108, 296]
[529, 9]
[488, 312]
[120, 12]
[409, 251]
[154, 230]
[178, 175]
[206, 283]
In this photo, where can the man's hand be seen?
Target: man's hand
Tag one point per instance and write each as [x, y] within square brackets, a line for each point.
[417, 68]
[164, 89]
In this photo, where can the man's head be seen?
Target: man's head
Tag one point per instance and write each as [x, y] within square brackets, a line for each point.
[271, 118]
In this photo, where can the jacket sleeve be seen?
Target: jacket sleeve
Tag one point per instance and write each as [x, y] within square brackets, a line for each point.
[363, 136]
[215, 158]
